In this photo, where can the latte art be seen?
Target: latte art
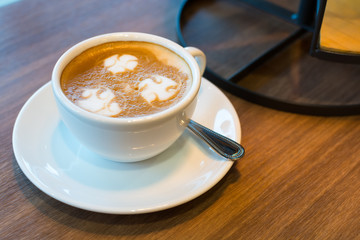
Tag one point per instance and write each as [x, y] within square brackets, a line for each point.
[126, 79]
[99, 101]
[116, 64]
[161, 89]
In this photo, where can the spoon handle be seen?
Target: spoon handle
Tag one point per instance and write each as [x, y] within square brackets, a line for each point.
[219, 143]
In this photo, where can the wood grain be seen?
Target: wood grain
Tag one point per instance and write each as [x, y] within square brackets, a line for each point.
[300, 178]
[340, 27]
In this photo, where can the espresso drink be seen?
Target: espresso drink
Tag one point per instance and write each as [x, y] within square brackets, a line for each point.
[126, 79]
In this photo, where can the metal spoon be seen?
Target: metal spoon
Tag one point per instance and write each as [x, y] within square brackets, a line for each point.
[219, 143]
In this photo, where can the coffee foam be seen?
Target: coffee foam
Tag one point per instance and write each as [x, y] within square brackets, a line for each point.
[99, 101]
[117, 64]
[171, 59]
[158, 88]
[126, 79]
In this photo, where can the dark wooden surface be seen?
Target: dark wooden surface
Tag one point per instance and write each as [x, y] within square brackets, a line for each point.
[300, 178]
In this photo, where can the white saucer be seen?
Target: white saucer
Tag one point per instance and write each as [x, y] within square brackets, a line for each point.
[58, 165]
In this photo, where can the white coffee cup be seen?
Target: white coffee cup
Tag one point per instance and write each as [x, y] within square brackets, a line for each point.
[129, 139]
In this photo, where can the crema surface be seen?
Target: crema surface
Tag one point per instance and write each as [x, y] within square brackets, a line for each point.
[126, 79]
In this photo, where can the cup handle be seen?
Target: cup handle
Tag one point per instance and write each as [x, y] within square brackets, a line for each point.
[199, 57]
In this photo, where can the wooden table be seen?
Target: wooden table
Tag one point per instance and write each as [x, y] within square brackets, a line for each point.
[300, 178]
